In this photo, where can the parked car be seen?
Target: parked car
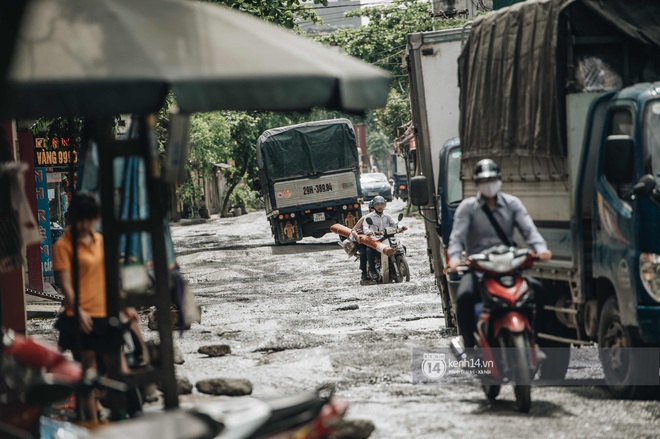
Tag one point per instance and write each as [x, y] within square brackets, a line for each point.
[374, 184]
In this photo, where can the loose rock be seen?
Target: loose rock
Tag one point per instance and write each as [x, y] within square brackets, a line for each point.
[183, 386]
[154, 353]
[225, 386]
[347, 307]
[218, 350]
[354, 429]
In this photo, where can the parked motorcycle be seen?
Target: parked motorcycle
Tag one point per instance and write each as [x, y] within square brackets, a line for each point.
[506, 347]
[391, 266]
[35, 376]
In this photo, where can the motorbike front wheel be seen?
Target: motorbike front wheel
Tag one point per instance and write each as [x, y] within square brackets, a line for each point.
[402, 267]
[521, 371]
[491, 391]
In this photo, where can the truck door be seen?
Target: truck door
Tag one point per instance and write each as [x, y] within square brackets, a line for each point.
[450, 187]
[613, 227]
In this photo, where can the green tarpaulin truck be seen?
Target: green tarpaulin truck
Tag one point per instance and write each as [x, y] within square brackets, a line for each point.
[309, 178]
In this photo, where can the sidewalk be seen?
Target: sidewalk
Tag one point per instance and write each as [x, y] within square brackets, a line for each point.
[42, 308]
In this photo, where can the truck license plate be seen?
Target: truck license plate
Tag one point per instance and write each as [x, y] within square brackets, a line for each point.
[319, 217]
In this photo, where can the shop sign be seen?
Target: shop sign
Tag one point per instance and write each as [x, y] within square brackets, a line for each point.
[54, 153]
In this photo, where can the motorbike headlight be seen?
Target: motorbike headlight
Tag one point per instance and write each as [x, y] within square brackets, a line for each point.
[522, 300]
[649, 271]
[524, 294]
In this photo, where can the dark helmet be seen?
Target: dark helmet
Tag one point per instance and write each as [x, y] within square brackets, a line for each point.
[486, 168]
[378, 200]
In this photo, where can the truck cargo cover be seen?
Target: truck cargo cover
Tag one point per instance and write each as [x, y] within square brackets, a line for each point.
[511, 102]
[307, 149]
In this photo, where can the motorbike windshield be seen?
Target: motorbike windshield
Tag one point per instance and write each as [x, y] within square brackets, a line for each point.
[652, 139]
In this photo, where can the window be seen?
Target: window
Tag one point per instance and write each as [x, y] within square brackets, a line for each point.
[454, 185]
[619, 159]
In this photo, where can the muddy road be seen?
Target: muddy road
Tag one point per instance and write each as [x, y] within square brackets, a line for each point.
[295, 318]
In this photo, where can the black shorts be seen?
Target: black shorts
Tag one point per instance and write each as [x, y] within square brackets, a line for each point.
[104, 337]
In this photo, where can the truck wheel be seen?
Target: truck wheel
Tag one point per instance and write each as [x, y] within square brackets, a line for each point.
[621, 364]
[447, 308]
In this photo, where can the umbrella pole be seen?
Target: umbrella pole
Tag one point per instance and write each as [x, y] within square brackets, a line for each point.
[102, 132]
[114, 227]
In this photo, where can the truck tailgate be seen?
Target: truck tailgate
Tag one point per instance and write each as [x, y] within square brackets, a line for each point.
[315, 190]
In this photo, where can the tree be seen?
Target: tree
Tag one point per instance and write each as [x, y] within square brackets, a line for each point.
[382, 42]
[282, 12]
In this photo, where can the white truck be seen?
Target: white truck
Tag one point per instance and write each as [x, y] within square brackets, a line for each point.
[432, 62]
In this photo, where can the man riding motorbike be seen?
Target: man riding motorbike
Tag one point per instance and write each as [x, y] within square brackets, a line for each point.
[475, 229]
[380, 221]
[358, 229]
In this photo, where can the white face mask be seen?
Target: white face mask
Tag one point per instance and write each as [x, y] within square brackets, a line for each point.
[490, 189]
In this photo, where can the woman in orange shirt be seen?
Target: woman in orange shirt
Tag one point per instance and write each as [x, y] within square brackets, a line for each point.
[97, 336]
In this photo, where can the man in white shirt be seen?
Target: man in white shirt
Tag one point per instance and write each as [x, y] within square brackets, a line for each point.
[380, 221]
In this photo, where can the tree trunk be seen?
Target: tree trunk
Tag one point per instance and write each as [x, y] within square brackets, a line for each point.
[242, 172]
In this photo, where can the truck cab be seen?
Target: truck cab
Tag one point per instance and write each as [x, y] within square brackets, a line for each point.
[626, 206]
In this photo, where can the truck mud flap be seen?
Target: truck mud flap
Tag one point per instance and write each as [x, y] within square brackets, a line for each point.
[350, 218]
[289, 230]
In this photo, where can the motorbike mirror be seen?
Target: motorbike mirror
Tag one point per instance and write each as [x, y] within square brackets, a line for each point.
[369, 221]
[400, 216]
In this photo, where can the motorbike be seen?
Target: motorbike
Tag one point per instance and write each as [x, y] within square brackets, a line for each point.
[35, 377]
[506, 351]
[35, 380]
[391, 267]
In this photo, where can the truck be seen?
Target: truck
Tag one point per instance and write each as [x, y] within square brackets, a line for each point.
[564, 96]
[309, 178]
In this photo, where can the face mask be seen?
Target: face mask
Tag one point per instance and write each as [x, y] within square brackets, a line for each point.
[490, 189]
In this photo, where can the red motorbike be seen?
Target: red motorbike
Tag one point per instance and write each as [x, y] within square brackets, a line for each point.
[507, 351]
[33, 375]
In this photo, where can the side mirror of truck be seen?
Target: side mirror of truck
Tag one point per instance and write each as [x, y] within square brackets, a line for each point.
[644, 187]
[369, 221]
[419, 191]
[400, 217]
[619, 150]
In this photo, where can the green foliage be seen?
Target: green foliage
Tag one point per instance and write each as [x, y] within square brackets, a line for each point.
[282, 12]
[383, 42]
[245, 197]
[210, 141]
[395, 114]
[59, 127]
[378, 145]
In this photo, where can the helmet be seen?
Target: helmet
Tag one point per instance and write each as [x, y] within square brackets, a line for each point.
[379, 200]
[371, 204]
[486, 168]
